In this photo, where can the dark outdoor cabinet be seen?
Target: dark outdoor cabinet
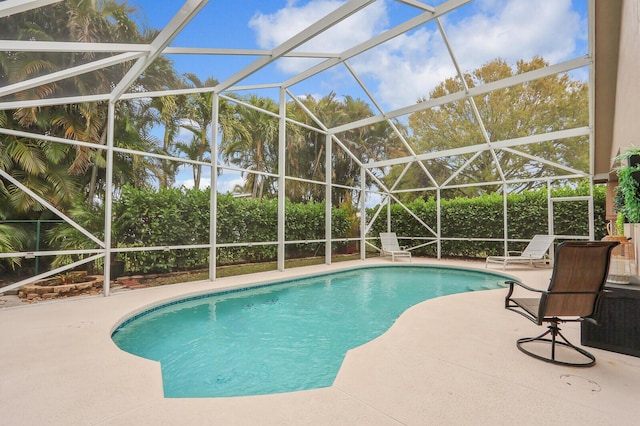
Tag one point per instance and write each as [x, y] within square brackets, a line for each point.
[618, 327]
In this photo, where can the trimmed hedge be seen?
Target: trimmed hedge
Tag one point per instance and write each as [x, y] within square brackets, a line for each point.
[178, 216]
[174, 216]
[482, 217]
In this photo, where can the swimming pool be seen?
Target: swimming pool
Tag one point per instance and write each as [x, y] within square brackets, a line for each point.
[282, 337]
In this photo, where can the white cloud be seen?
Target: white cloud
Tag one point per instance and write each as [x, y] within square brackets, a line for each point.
[190, 183]
[406, 68]
[409, 66]
[516, 29]
[227, 185]
[224, 184]
[273, 29]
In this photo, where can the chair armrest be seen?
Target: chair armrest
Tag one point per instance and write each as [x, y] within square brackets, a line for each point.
[512, 285]
[526, 287]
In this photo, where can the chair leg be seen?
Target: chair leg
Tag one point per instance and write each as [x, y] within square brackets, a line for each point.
[554, 331]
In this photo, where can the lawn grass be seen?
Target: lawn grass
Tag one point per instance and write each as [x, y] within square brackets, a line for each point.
[250, 268]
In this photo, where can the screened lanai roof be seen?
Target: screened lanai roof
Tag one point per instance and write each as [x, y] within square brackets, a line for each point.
[319, 53]
[389, 53]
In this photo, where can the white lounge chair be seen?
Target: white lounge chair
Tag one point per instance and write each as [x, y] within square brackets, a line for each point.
[390, 246]
[534, 253]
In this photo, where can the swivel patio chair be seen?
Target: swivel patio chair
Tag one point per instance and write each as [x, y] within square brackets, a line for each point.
[390, 246]
[535, 253]
[574, 294]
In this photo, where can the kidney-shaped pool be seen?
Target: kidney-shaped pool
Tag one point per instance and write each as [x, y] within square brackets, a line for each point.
[286, 336]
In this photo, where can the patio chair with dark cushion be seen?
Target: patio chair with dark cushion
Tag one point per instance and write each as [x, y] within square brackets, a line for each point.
[575, 290]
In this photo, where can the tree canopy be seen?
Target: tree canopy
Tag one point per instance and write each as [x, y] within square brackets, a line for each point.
[548, 104]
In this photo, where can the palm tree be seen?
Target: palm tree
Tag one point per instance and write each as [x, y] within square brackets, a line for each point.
[193, 151]
[200, 115]
[59, 172]
[306, 148]
[134, 121]
[41, 166]
[86, 21]
[12, 239]
[169, 110]
[256, 147]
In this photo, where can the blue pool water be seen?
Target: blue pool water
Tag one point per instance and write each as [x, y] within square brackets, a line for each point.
[282, 337]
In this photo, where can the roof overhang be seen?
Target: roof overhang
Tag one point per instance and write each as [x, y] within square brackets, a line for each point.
[607, 41]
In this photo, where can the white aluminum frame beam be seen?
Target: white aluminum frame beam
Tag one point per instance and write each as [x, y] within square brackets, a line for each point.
[49, 253]
[52, 272]
[333, 18]
[461, 168]
[474, 91]
[418, 5]
[168, 33]
[91, 145]
[243, 52]
[70, 46]
[327, 200]
[35, 103]
[544, 161]
[70, 72]
[213, 193]
[377, 40]
[544, 137]
[476, 113]
[77, 46]
[282, 151]
[108, 197]
[335, 139]
[497, 182]
[11, 7]
[52, 208]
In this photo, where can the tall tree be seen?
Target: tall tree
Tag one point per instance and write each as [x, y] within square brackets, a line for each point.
[61, 173]
[548, 104]
[200, 116]
[169, 112]
[307, 148]
[256, 146]
[85, 21]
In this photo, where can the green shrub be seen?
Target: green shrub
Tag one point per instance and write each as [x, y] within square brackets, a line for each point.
[482, 217]
[178, 216]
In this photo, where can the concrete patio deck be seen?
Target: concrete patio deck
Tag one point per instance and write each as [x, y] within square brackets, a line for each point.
[446, 361]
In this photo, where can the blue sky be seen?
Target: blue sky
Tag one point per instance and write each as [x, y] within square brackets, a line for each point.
[397, 72]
